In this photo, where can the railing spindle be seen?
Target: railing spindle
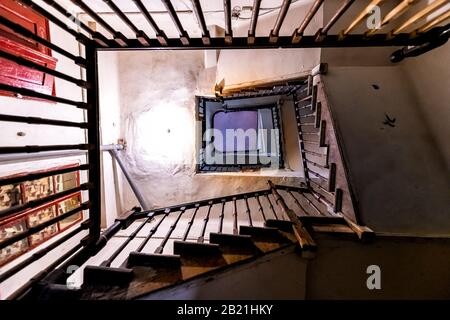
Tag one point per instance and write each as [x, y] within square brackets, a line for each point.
[107, 263]
[160, 248]
[235, 228]
[312, 205]
[222, 216]
[201, 239]
[152, 231]
[260, 208]
[248, 212]
[186, 233]
[271, 207]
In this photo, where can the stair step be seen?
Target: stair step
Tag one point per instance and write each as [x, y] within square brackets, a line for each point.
[230, 239]
[235, 247]
[258, 231]
[306, 98]
[322, 220]
[195, 248]
[100, 275]
[153, 260]
[283, 225]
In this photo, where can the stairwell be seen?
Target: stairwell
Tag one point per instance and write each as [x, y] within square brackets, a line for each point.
[151, 251]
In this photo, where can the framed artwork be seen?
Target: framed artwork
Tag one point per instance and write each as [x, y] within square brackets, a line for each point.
[17, 194]
[10, 196]
[16, 249]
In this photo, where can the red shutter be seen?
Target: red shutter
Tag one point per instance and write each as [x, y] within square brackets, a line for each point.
[12, 73]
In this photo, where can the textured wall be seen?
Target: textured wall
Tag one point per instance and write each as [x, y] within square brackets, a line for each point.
[157, 91]
[399, 178]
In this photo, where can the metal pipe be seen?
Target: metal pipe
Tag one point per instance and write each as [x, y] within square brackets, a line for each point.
[415, 51]
[40, 155]
[112, 146]
[32, 149]
[130, 180]
[37, 120]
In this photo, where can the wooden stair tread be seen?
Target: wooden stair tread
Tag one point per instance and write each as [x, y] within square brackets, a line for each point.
[195, 248]
[153, 260]
[101, 275]
[284, 225]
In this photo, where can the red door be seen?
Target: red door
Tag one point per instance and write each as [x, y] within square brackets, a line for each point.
[10, 72]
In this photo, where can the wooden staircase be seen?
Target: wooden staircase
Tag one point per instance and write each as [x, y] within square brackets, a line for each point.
[168, 246]
[325, 171]
[215, 234]
[143, 273]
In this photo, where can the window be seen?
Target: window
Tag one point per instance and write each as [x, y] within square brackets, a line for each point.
[241, 134]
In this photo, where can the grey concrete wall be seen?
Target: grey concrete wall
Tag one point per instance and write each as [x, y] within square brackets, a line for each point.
[429, 75]
[399, 178]
[410, 269]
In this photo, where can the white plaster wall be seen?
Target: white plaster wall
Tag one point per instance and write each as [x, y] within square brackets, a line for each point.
[157, 91]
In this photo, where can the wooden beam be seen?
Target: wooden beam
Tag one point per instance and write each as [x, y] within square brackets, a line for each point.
[305, 240]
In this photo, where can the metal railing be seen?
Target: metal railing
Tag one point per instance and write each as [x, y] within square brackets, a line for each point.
[91, 166]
